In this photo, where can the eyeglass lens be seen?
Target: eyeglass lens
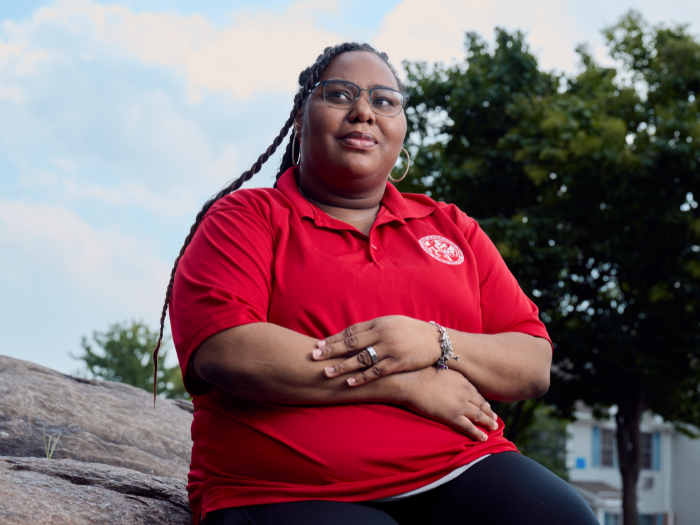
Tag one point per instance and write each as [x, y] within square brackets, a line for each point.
[343, 95]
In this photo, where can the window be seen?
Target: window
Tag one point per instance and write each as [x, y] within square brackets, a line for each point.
[613, 519]
[651, 451]
[644, 519]
[604, 450]
[651, 519]
[607, 447]
[646, 450]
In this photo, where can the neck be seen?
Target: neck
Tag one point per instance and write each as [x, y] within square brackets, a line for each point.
[352, 208]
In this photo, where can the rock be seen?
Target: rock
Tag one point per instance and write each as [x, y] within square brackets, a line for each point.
[56, 491]
[99, 421]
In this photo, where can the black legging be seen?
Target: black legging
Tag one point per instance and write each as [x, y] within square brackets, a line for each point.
[503, 489]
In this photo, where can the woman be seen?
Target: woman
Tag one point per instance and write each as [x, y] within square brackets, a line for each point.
[302, 319]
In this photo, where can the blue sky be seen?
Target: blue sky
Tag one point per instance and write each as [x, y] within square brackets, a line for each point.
[118, 119]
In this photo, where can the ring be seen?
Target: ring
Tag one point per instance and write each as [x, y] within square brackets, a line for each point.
[372, 354]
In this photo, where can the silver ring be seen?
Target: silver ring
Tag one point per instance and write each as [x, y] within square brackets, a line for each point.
[372, 354]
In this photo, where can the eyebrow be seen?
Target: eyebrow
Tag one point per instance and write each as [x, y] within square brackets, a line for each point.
[375, 86]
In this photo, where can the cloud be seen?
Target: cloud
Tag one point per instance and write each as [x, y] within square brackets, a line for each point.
[412, 32]
[43, 240]
[86, 117]
[62, 278]
[16, 61]
[260, 51]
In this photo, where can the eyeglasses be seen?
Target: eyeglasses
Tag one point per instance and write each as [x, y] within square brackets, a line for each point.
[341, 94]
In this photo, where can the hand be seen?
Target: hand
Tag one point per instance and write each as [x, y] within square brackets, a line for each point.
[402, 344]
[448, 397]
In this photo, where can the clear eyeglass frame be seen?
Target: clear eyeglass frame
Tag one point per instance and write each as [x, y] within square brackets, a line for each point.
[403, 97]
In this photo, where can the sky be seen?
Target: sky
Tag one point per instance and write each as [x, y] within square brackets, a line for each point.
[119, 119]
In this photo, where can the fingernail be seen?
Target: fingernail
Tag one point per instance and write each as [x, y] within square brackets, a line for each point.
[321, 344]
[484, 437]
[317, 354]
[352, 381]
[330, 370]
[495, 417]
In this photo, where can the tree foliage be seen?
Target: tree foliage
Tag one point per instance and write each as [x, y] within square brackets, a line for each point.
[544, 440]
[588, 185]
[124, 356]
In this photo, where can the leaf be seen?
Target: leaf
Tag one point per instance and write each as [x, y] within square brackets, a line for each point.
[584, 144]
[537, 174]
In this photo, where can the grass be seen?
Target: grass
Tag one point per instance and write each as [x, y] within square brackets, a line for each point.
[50, 446]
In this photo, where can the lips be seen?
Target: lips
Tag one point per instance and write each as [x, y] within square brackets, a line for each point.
[357, 139]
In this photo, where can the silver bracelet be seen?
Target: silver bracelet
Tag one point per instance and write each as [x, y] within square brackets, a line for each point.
[445, 346]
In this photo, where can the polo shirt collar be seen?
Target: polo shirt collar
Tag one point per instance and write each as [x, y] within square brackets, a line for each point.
[394, 206]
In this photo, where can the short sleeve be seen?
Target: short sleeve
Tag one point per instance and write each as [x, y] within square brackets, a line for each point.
[223, 279]
[504, 306]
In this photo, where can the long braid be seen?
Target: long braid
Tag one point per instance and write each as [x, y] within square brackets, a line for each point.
[307, 79]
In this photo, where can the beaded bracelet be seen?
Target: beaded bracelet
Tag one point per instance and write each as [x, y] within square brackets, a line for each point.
[445, 346]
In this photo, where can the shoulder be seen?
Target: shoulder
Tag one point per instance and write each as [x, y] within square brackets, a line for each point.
[444, 211]
[257, 212]
[262, 202]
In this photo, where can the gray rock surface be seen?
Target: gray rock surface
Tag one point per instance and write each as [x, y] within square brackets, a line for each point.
[99, 421]
[50, 491]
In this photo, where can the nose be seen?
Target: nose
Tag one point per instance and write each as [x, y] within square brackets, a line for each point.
[362, 110]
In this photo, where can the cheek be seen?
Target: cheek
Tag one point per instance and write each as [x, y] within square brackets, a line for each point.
[396, 132]
[318, 120]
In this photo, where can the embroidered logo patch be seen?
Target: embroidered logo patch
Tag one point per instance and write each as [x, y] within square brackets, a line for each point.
[444, 250]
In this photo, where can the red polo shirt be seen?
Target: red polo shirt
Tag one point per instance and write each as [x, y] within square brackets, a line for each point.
[268, 255]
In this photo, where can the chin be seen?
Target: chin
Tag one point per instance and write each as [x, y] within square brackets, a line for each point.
[359, 172]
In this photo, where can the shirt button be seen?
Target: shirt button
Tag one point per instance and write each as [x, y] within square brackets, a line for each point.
[374, 247]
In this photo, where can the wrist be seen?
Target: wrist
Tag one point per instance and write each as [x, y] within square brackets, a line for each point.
[403, 384]
[408, 384]
[445, 348]
[435, 348]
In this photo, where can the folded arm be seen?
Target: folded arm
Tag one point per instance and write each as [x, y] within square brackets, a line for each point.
[268, 363]
[503, 367]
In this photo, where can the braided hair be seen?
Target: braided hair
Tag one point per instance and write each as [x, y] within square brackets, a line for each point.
[307, 79]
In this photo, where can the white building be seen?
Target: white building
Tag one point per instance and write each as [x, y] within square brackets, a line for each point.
[669, 483]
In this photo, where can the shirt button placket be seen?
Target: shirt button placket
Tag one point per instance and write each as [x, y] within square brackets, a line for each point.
[372, 249]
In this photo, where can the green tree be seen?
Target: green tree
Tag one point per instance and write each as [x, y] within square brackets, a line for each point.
[588, 186]
[125, 357]
[544, 440]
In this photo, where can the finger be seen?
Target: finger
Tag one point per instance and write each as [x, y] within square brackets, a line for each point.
[479, 417]
[349, 345]
[465, 425]
[361, 360]
[383, 368]
[350, 330]
[477, 399]
[485, 406]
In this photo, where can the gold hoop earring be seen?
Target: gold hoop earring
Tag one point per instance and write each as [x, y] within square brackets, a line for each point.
[295, 162]
[408, 165]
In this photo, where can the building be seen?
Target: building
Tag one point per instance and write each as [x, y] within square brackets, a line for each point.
[669, 483]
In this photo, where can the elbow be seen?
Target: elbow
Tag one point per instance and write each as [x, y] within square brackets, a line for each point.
[539, 386]
[531, 388]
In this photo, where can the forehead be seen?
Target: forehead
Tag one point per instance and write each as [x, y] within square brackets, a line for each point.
[361, 67]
